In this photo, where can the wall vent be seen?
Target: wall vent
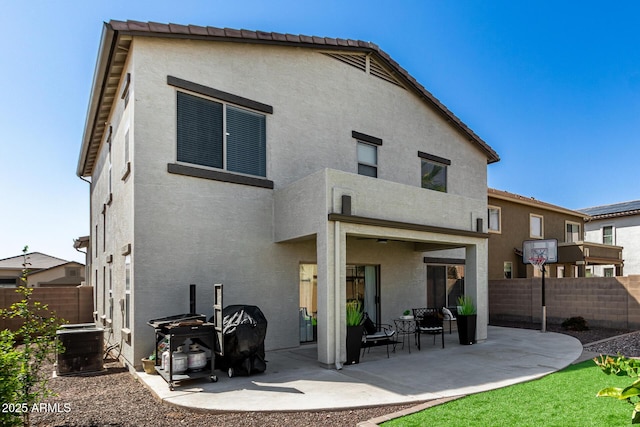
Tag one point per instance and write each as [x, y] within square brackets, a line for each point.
[368, 64]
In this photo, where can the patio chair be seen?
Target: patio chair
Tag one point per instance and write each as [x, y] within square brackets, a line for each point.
[448, 315]
[428, 321]
[373, 336]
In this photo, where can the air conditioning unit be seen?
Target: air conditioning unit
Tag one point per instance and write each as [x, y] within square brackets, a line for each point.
[83, 349]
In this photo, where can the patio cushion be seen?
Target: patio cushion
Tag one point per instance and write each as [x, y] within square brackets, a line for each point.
[369, 326]
[448, 315]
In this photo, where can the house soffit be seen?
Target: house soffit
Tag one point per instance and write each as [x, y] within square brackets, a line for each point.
[116, 40]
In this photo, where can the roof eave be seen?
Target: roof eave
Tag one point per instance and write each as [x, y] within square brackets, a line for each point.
[112, 29]
[102, 65]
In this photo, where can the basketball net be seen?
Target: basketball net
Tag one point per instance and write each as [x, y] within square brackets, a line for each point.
[538, 258]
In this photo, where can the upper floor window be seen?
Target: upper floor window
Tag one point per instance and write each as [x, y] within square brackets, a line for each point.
[367, 160]
[536, 226]
[572, 232]
[495, 225]
[367, 151]
[607, 235]
[433, 172]
[220, 135]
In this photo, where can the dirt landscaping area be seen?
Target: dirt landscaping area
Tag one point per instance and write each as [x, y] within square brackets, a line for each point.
[116, 398]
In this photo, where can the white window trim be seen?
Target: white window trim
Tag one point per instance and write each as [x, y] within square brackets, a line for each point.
[531, 216]
[499, 230]
[580, 238]
[504, 269]
[613, 234]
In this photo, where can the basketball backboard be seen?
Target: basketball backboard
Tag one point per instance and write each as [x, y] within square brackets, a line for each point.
[540, 251]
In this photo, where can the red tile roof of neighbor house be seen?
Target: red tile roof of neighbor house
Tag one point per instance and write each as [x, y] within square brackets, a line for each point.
[113, 29]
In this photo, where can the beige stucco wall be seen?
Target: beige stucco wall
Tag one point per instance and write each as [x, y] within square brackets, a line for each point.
[190, 230]
[54, 273]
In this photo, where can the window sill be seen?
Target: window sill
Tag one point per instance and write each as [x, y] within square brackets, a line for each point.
[126, 171]
[214, 175]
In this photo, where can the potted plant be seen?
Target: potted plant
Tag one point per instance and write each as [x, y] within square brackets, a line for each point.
[406, 315]
[354, 331]
[466, 320]
[149, 364]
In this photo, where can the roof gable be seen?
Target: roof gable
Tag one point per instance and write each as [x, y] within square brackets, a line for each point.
[117, 36]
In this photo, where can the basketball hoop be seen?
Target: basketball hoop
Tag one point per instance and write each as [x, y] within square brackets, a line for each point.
[538, 253]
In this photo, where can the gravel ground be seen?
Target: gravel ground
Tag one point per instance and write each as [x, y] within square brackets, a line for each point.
[116, 398]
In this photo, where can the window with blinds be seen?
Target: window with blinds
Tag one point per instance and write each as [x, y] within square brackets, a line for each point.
[221, 136]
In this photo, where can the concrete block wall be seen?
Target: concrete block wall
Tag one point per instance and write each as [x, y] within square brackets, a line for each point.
[603, 301]
[73, 305]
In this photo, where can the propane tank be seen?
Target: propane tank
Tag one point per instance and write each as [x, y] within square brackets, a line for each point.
[180, 361]
[197, 358]
[164, 363]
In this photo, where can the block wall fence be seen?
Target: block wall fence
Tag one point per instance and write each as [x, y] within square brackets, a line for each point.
[610, 302]
[73, 305]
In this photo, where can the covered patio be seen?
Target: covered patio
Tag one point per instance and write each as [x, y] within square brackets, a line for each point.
[294, 380]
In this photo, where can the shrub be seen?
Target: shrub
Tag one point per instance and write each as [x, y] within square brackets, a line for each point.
[9, 380]
[622, 366]
[575, 324]
[21, 374]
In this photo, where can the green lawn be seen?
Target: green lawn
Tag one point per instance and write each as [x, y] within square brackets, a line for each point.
[565, 398]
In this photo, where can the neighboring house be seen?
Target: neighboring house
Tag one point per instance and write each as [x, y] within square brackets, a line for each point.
[44, 271]
[617, 224]
[514, 219]
[297, 171]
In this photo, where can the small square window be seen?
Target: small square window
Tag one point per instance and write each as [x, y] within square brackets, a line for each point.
[434, 176]
[367, 159]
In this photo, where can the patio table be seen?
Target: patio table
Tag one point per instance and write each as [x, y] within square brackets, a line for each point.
[405, 328]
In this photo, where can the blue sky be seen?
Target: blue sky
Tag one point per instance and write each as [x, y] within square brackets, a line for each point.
[552, 86]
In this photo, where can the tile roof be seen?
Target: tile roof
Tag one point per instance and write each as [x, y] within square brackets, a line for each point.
[505, 195]
[113, 31]
[614, 210]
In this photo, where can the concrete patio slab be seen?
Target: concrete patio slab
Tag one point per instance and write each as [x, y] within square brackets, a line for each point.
[294, 381]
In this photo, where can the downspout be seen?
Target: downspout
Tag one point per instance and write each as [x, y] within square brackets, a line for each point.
[88, 277]
[336, 291]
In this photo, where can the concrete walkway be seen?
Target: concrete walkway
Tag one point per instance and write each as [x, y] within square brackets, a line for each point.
[294, 381]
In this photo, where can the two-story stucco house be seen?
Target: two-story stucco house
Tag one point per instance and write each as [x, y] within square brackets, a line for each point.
[616, 224]
[514, 218]
[297, 171]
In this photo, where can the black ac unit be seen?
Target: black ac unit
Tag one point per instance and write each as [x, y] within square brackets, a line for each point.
[83, 349]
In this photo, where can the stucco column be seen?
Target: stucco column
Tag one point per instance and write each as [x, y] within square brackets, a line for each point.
[325, 343]
[331, 260]
[476, 284]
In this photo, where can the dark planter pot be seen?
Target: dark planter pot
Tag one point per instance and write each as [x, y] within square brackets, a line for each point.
[354, 342]
[467, 329]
